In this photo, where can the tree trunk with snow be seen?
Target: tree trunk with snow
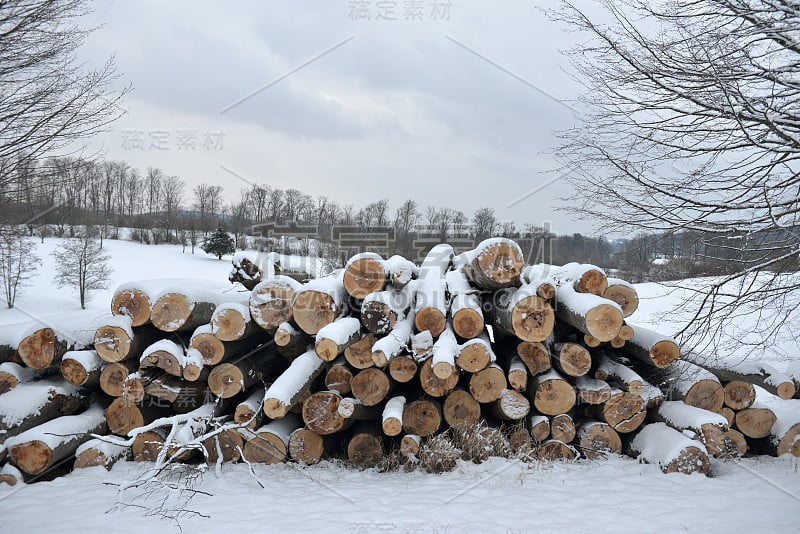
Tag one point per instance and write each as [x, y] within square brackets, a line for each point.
[338, 376]
[81, 368]
[100, 452]
[432, 384]
[12, 375]
[270, 444]
[554, 450]
[522, 313]
[306, 446]
[365, 273]
[596, 439]
[35, 403]
[465, 305]
[593, 315]
[659, 444]
[652, 348]
[392, 417]
[624, 411]
[592, 390]
[552, 394]
[611, 369]
[113, 375]
[623, 294]
[371, 386]
[695, 386]
[475, 354]
[232, 321]
[571, 359]
[118, 340]
[461, 408]
[318, 303]
[231, 378]
[511, 406]
[292, 385]
[753, 372]
[334, 338]
[403, 368]
[271, 301]
[495, 263]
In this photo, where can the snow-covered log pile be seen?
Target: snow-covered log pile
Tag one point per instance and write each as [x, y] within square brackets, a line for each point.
[379, 356]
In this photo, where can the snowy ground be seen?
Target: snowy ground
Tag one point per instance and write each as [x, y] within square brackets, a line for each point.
[619, 494]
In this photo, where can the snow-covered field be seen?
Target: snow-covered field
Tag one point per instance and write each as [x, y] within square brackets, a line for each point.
[618, 494]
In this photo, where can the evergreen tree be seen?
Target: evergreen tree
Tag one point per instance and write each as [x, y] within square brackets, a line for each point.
[219, 243]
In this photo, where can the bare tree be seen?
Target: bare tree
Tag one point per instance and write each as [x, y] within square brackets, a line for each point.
[18, 262]
[691, 124]
[173, 197]
[484, 222]
[82, 264]
[48, 99]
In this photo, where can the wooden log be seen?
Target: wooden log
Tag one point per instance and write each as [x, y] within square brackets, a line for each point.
[249, 413]
[381, 310]
[167, 388]
[624, 411]
[652, 396]
[465, 305]
[461, 408]
[623, 294]
[189, 304]
[596, 439]
[392, 417]
[597, 316]
[81, 368]
[371, 386]
[214, 351]
[421, 345]
[409, 447]
[117, 340]
[327, 412]
[659, 444]
[517, 374]
[41, 349]
[430, 305]
[334, 338]
[359, 354]
[401, 271]
[535, 275]
[784, 433]
[728, 414]
[739, 395]
[271, 301]
[113, 375]
[35, 403]
[245, 270]
[36, 449]
[231, 321]
[231, 378]
[495, 263]
[695, 386]
[396, 342]
[100, 452]
[591, 341]
[134, 299]
[592, 390]
[571, 359]
[522, 313]
[422, 417]
[617, 342]
[13, 374]
[147, 445]
[552, 395]
[488, 384]
[318, 303]
[164, 354]
[511, 406]
[562, 428]
[554, 450]
[194, 368]
[306, 446]
[338, 377]
[123, 415]
[626, 332]
[133, 386]
[443, 360]
[290, 387]
[535, 356]
[755, 422]
[270, 444]
[736, 443]
[432, 384]
[754, 372]
[475, 354]
[225, 446]
[365, 273]
[708, 427]
[365, 447]
[652, 348]
[402, 369]
[539, 426]
[626, 378]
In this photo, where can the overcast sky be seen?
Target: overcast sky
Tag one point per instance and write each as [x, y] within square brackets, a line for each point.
[418, 103]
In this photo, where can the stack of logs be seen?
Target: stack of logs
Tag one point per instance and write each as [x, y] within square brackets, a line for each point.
[377, 357]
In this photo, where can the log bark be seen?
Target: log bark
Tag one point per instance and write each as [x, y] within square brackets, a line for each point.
[334, 338]
[432, 384]
[13, 374]
[365, 448]
[35, 450]
[422, 417]
[82, 368]
[551, 394]
[113, 375]
[291, 386]
[623, 294]
[753, 372]
[495, 263]
[626, 378]
[271, 301]
[488, 384]
[593, 315]
[461, 408]
[338, 377]
[571, 359]
[652, 348]
[596, 439]
[659, 444]
[35, 403]
[365, 273]
[270, 444]
[318, 303]
[522, 313]
[371, 386]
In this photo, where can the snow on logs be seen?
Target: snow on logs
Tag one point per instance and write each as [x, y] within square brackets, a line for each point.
[695, 386]
[117, 339]
[672, 451]
[465, 305]
[290, 387]
[651, 347]
[589, 313]
[332, 339]
[271, 301]
[752, 372]
[430, 304]
[81, 368]
[190, 303]
[31, 344]
[365, 273]
[494, 264]
[318, 303]
[521, 312]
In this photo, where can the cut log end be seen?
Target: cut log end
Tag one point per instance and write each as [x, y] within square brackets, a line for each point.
[598, 440]
[32, 457]
[430, 319]
[664, 353]
[370, 386]
[265, 448]
[271, 304]
[554, 397]
[739, 395]
[468, 323]
[498, 265]
[365, 450]
[707, 394]
[461, 408]
[785, 390]
[432, 384]
[603, 322]
[364, 276]
[473, 357]
[755, 422]
[532, 319]
[134, 303]
[422, 417]
[275, 409]
[555, 450]
[112, 343]
[226, 380]
[690, 460]
[171, 311]
[403, 369]
[625, 296]
[313, 309]
[229, 324]
[210, 347]
[306, 446]
[487, 385]
[38, 350]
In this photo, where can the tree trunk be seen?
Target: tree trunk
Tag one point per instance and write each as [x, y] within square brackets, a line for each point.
[231, 322]
[226, 446]
[475, 354]
[461, 408]
[593, 315]
[12, 375]
[338, 377]
[596, 439]
[34, 450]
[271, 301]
[695, 386]
[164, 354]
[365, 448]
[652, 348]
[465, 305]
[511, 406]
[392, 417]
[115, 342]
[318, 303]
[190, 306]
[554, 450]
[403, 369]
[623, 294]
[290, 387]
[41, 349]
[488, 385]
[359, 354]
[100, 452]
[626, 378]
[270, 444]
[739, 395]
[551, 394]
[592, 390]
[250, 411]
[306, 446]
[522, 313]
[517, 374]
[422, 417]
[409, 446]
[571, 359]
[562, 428]
[443, 360]
[432, 384]
[229, 379]
[753, 372]
[365, 273]
[371, 386]
[624, 411]
[82, 368]
[708, 427]
[113, 375]
[215, 351]
[540, 427]
[123, 415]
[659, 444]
[395, 343]
[535, 356]
[495, 263]
[33, 404]
[381, 310]
[430, 306]
[133, 302]
[334, 338]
